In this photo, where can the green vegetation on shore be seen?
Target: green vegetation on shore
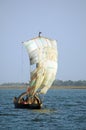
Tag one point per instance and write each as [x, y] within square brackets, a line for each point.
[69, 83]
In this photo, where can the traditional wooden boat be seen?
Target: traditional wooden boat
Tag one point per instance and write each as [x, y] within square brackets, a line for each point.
[23, 101]
[43, 54]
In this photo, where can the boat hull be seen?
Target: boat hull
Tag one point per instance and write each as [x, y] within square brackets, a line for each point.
[27, 106]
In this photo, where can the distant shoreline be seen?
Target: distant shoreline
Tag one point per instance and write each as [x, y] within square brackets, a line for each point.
[52, 87]
[68, 87]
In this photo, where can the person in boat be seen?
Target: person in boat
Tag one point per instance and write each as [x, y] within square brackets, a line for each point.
[29, 100]
[32, 100]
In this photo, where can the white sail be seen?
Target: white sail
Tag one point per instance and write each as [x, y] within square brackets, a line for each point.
[43, 52]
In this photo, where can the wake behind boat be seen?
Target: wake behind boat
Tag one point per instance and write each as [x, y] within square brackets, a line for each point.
[43, 55]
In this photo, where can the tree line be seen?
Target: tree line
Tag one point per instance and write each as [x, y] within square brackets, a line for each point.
[69, 83]
[55, 83]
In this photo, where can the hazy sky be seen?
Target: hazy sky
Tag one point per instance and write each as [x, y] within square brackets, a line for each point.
[63, 20]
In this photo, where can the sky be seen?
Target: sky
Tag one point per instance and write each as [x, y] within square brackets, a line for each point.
[62, 20]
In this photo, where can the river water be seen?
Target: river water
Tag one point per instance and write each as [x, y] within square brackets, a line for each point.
[63, 109]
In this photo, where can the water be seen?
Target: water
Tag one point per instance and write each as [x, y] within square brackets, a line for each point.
[63, 110]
